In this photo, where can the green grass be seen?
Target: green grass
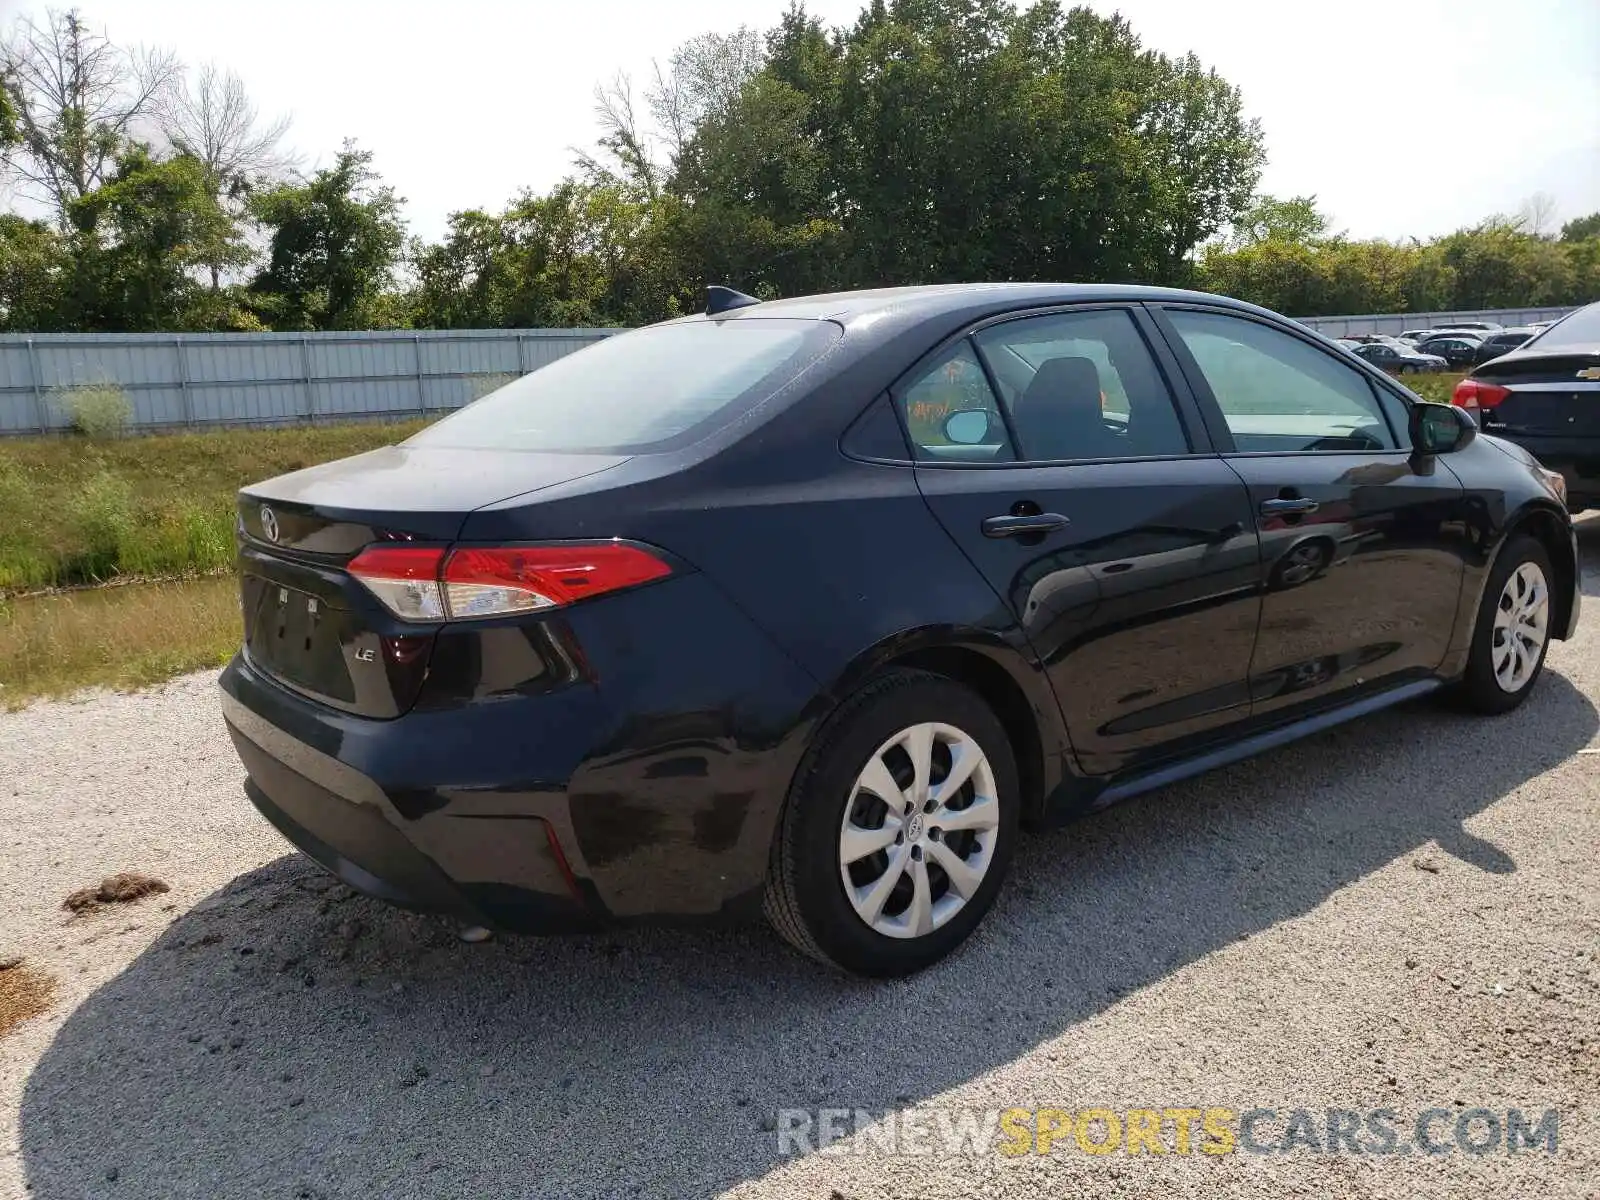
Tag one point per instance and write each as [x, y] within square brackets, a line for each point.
[116, 637]
[1437, 388]
[77, 510]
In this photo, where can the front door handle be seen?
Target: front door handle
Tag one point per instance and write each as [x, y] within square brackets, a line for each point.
[1023, 526]
[1282, 507]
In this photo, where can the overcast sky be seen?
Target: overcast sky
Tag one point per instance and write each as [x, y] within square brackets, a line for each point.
[1404, 119]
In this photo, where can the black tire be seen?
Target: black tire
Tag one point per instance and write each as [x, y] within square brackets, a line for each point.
[1479, 690]
[805, 895]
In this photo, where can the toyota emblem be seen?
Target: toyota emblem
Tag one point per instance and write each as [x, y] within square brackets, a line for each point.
[269, 523]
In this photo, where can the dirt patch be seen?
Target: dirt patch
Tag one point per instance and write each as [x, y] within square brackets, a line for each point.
[24, 992]
[123, 888]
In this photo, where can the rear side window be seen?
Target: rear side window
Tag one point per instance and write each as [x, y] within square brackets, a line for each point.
[653, 389]
[1280, 394]
[954, 383]
[1581, 328]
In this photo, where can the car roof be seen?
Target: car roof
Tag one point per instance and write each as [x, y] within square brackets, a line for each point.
[933, 299]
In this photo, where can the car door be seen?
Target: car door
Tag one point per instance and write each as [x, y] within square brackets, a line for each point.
[1361, 544]
[1088, 495]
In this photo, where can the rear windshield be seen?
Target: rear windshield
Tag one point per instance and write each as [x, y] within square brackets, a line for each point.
[650, 390]
[1581, 328]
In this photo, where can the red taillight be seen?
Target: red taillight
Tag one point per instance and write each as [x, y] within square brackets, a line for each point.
[405, 578]
[488, 580]
[430, 583]
[1475, 393]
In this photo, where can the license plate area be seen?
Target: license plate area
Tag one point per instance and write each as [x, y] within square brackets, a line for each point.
[1574, 414]
[297, 637]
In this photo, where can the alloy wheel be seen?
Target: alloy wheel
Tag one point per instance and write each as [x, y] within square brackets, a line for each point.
[919, 831]
[1521, 622]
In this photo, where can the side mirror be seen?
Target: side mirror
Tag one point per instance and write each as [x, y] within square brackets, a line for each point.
[1440, 428]
[967, 428]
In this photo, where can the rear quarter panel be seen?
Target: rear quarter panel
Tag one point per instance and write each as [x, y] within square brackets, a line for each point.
[1504, 496]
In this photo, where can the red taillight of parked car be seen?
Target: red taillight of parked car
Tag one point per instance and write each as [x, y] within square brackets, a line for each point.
[1475, 393]
[435, 583]
[405, 578]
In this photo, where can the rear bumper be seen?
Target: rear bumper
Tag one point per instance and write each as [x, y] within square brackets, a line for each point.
[645, 787]
[504, 870]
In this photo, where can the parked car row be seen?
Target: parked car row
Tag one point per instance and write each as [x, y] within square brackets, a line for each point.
[1453, 346]
[1398, 358]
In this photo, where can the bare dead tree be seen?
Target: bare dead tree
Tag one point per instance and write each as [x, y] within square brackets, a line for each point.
[703, 78]
[1537, 215]
[622, 137]
[76, 100]
[211, 118]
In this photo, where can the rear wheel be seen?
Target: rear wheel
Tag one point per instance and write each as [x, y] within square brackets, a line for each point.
[898, 828]
[1513, 629]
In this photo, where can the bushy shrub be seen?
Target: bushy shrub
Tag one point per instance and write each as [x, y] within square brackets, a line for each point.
[101, 518]
[99, 410]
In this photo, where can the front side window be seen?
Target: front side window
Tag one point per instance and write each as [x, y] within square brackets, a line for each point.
[654, 389]
[1278, 393]
[1082, 385]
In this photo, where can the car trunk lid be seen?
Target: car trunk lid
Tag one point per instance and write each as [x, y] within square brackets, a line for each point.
[1549, 395]
[314, 627]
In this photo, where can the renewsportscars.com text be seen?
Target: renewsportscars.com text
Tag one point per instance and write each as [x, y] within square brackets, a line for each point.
[1213, 1130]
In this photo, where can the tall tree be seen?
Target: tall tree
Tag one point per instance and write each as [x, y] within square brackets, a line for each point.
[1268, 219]
[138, 241]
[572, 257]
[76, 98]
[10, 133]
[965, 139]
[1579, 228]
[335, 245]
[212, 119]
[35, 265]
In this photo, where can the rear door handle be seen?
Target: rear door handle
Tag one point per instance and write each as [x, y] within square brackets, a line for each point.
[1032, 523]
[1283, 507]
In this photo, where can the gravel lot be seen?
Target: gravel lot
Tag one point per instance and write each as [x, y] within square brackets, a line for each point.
[1404, 913]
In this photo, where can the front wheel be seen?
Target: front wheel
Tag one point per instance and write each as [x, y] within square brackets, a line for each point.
[898, 829]
[1512, 633]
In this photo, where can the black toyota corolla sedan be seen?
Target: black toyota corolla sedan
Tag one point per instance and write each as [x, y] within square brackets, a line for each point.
[812, 606]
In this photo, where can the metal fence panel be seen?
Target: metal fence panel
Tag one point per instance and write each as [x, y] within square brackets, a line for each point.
[179, 380]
